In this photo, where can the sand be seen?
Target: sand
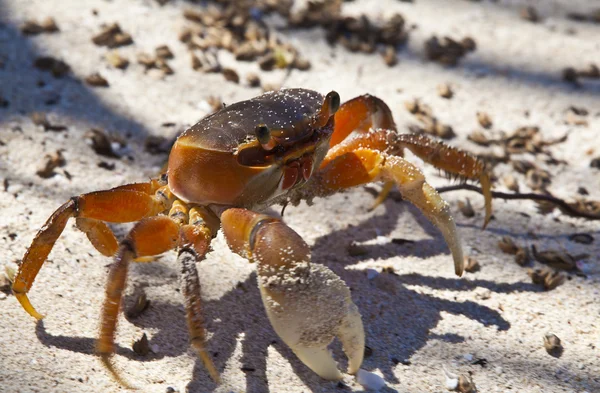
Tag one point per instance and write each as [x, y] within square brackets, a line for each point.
[489, 324]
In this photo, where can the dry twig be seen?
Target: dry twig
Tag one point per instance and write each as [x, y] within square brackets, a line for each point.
[564, 206]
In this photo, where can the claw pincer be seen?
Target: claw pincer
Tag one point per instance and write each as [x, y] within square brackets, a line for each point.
[307, 304]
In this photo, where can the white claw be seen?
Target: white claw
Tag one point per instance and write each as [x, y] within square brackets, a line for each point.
[308, 306]
[352, 336]
[320, 361]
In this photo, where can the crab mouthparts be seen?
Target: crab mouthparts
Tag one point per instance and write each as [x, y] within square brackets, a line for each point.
[297, 172]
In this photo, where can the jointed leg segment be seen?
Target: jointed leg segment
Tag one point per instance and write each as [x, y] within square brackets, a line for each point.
[371, 118]
[363, 165]
[153, 236]
[123, 204]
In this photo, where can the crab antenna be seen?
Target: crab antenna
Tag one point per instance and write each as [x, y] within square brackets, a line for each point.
[330, 105]
[263, 135]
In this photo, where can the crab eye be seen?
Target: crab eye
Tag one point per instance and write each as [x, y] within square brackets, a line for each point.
[334, 101]
[330, 105]
[262, 134]
[264, 137]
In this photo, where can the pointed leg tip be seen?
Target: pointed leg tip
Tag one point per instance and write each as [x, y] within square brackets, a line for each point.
[27, 306]
[486, 221]
[209, 365]
[105, 358]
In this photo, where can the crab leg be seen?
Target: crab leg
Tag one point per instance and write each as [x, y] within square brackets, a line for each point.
[153, 236]
[361, 114]
[361, 166]
[449, 159]
[194, 243]
[120, 204]
[308, 305]
[150, 236]
[365, 113]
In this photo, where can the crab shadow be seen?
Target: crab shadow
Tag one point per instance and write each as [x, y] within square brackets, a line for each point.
[396, 327]
[383, 223]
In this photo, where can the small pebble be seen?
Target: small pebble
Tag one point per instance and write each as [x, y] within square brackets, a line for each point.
[445, 91]
[372, 273]
[369, 380]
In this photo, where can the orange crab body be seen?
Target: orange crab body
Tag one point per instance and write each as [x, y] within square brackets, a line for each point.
[280, 147]
[217, 161]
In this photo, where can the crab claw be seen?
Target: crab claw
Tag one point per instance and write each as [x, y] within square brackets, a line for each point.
[308, 307]
[307, 304]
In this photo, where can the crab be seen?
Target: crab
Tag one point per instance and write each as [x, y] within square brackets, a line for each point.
[278, 148]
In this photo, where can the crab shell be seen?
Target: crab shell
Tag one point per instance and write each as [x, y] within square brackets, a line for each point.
[220, 161]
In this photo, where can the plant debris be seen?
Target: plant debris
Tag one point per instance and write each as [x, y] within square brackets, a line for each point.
[112, 36]
[548, 278]
[538, 179]
[508, 246]
[41, 119]
[484, 120]
[445, 91]
[116, 60]
[164, 52]
[429, 123]
[33, 27]
[141, 346]
[465, 208]
[465, 384]
[390, 57]
[589, 209]
[553, 344]
[529, 14]
[96, 80]
[573, 75]
[141, 304]
[582, 238]
[556, 259]
[50, 163]
[354, 249]
[357, 34]
[448, 51]
[158, 144]
[150, 62]
[472, 265]
[511, 182]
[253, 79]
[103, 144]
[57, 67]
[231, 75]
[109, 166]
[522, 256]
